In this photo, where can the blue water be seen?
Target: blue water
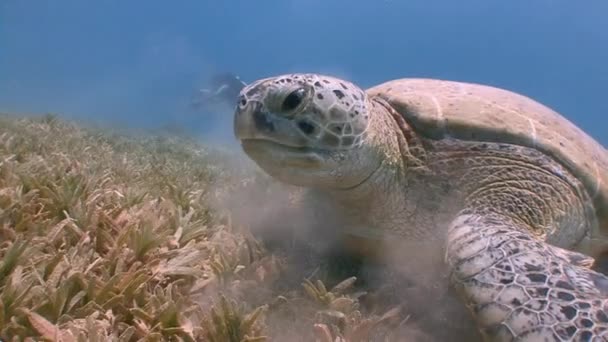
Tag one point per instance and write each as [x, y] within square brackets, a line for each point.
[139, 62]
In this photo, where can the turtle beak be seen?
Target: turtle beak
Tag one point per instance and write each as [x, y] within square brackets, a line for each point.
[250, 121]
[253, 122]
[273, 141]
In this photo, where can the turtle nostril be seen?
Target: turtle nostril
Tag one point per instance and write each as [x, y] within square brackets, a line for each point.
[306, 127]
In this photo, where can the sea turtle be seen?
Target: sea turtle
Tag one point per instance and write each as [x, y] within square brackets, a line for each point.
[511, 194]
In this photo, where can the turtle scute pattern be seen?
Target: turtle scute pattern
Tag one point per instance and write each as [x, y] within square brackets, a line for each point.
[469, 111]
[521, 288]
[336, 116]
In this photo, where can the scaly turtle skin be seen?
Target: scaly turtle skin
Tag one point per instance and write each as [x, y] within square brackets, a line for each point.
[514, 193]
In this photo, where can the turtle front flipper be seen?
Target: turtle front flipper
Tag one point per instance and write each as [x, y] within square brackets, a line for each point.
[521, 288]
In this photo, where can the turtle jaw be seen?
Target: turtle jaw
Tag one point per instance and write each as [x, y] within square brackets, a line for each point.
[268, 152]
[280, 148]
[300, 166]
[275, 138]
[310, 167]
[307, 166]
[277, 146]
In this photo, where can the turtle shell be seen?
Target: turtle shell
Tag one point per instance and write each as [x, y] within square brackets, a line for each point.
[474, 112]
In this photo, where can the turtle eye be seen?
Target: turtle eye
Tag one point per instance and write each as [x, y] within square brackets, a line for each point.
[293, 100]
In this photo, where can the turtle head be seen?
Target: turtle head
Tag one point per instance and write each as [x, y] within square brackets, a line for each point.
[306, 130]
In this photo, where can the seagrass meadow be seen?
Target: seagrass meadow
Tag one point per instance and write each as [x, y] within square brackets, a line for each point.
[112, 236]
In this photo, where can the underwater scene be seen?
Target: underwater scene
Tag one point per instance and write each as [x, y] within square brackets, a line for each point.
[303, 170]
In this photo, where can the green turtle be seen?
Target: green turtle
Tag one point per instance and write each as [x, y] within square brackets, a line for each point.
[511, 194]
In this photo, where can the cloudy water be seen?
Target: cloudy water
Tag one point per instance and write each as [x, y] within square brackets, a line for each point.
[140, 63]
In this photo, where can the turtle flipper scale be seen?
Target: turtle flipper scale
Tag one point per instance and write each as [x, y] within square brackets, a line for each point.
[521, 288]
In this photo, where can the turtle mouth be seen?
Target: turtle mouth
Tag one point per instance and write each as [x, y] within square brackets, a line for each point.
[264, 150]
